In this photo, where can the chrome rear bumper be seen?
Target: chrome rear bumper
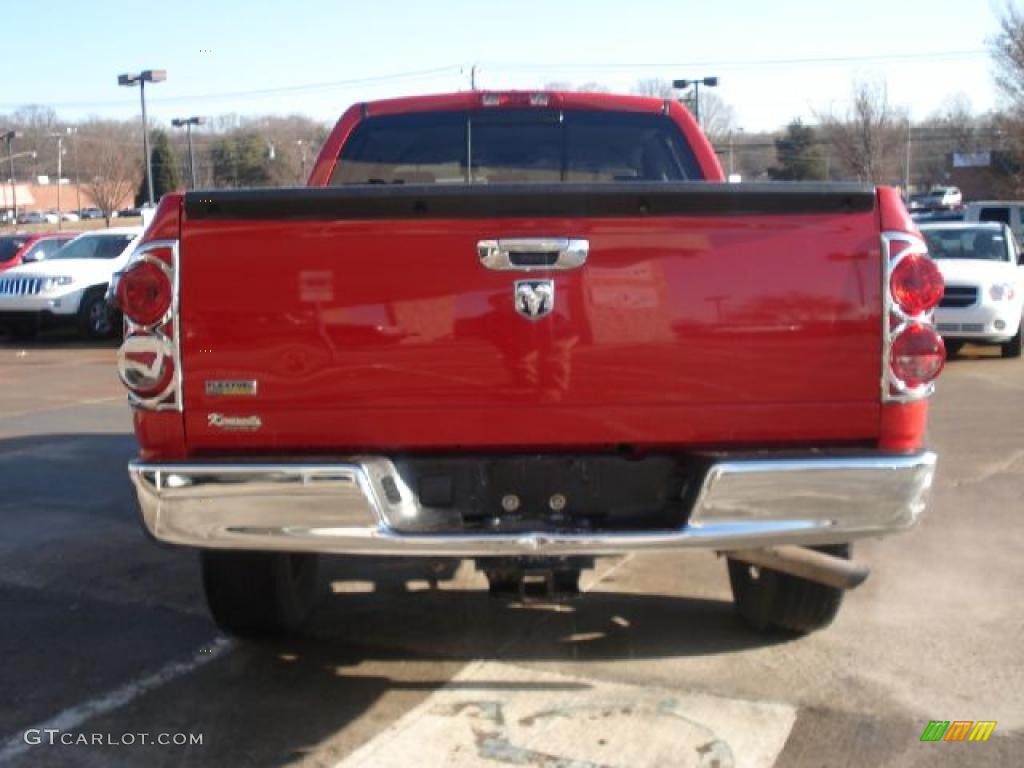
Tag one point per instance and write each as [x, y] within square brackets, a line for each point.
[362, 507]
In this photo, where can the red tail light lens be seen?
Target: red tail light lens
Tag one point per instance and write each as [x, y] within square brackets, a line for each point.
[144, 293]
[918, 355]
[916, 284]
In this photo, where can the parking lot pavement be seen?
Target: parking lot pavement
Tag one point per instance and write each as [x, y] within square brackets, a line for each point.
[105, 633]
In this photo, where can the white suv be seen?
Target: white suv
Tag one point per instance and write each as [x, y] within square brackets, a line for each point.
[68, 288]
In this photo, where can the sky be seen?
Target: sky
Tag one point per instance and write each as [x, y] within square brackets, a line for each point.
[776, 60]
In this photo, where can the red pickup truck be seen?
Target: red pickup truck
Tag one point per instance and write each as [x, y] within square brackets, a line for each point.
[529, 329]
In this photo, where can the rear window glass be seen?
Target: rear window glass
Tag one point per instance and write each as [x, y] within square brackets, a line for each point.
[1001, 215]
[515, 146]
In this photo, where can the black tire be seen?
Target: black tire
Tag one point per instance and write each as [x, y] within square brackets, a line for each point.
[259, 594]
[953, 349]
[95, 319]
[1012, 348]
[768, 600]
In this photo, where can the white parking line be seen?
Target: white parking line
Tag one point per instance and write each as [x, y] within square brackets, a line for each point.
[75, 716]
[497, 714]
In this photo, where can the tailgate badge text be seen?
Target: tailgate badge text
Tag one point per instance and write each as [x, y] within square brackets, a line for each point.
[246, 423]
[534, 298]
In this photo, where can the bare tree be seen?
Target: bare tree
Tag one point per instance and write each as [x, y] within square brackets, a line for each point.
[717, 118]
[111, 169]
[654, 86]
[867, 139]
[1008, 52]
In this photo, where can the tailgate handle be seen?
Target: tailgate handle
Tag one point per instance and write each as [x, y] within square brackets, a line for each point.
[533, 253]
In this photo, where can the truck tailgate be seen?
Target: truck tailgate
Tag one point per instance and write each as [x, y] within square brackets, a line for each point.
[362, 318]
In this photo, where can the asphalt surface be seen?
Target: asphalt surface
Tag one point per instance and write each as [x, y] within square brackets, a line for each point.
[105, 634]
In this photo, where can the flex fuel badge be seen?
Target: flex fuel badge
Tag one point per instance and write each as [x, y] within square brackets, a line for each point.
[230, 387]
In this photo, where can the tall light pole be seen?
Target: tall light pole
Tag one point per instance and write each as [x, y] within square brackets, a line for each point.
[188, 122]
[9, 137]
[303, 145]
[710, 82]
[129, 80]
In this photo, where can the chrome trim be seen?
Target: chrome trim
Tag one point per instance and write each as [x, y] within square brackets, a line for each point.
[156, 344]
[361, 506]
[894, 390]
[500, 254]
[171, 400]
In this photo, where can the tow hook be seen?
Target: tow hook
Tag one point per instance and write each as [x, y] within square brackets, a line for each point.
[806, 564]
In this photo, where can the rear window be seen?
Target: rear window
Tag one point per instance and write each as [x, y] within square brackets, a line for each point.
[9, 246]
[515, 146]
[1001, 215]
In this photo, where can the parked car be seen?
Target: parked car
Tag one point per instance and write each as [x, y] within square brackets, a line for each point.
[943, 197]
[983, 268]
[933, 214]
[32, 217]
[68, 287]
[51, 217]
[1009, 212]
[69, 216]
[28, 247]
[90, 213]
[533, 348]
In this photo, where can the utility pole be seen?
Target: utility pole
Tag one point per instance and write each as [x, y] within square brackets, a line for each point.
[906, 168]
[9, 137]
[78, 180]
[60, 172]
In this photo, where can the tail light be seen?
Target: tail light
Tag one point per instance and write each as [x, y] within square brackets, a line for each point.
[144, 291]
[147, 294]
[913, 352]
[915, 284]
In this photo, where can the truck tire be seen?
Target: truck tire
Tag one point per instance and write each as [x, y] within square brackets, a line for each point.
[259, 594]
[1012, 348]
[95, 320]
[769, 600]
[953, 349]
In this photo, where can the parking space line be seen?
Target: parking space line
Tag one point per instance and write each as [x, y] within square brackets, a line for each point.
[73, 717]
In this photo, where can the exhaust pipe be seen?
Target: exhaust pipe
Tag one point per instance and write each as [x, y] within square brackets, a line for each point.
[807, 564]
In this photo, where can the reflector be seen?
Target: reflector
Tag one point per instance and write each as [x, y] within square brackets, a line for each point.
[917, 355]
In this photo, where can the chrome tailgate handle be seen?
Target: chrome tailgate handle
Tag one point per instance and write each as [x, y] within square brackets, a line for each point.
[528, 254]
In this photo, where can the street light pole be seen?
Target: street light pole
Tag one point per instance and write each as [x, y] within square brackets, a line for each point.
[60, 170]
[188, 122]
[146, 76]
[9, 137]
[710, 82]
